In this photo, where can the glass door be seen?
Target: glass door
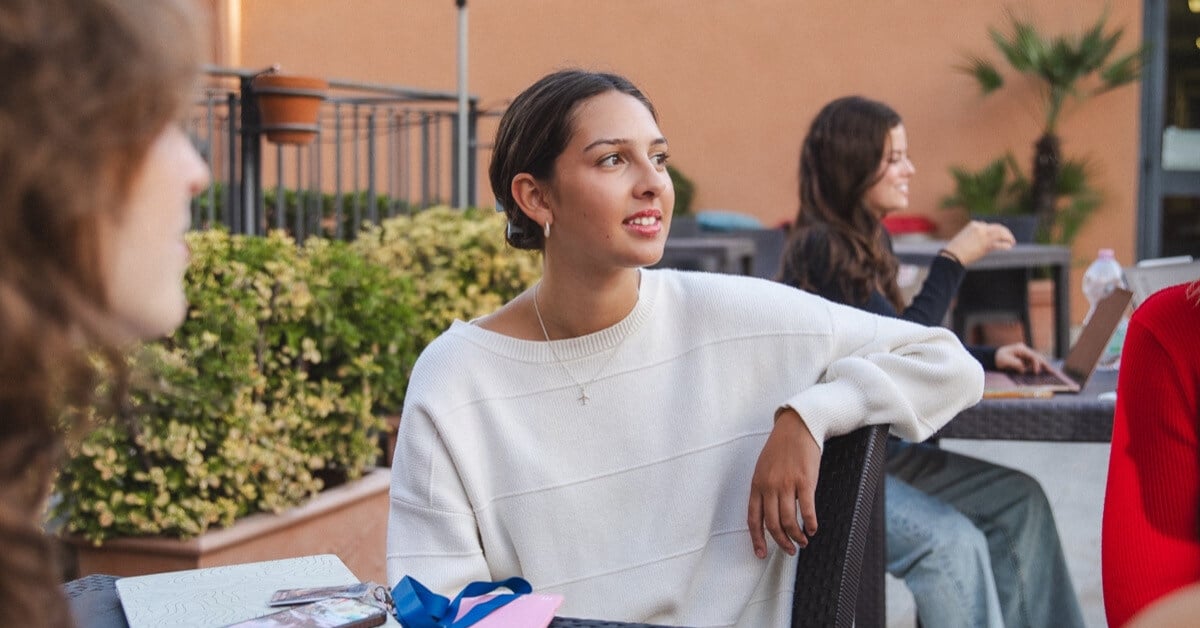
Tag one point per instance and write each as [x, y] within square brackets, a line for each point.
[1169, 190]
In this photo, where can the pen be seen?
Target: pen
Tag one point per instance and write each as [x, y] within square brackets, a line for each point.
[1018, 394]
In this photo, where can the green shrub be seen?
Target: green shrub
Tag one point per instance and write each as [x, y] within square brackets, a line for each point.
[685, 191]
[319, 215]
[461, 266]
[272, 387]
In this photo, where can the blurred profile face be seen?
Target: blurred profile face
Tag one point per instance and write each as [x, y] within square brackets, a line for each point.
[142, 246]
[890, 192]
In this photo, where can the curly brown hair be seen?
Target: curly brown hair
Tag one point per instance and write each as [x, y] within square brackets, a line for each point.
[839, 162]
[90, 84]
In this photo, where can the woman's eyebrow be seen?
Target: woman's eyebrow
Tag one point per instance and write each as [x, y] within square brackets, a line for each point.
[620, 142]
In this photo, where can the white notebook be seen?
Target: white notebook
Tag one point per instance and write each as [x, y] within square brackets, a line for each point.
[218, 596]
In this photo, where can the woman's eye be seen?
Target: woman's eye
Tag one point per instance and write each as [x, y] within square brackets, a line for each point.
[661, 158]
[610, 160]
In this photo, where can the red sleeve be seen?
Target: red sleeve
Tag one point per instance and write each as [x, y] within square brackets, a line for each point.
[1151, 527]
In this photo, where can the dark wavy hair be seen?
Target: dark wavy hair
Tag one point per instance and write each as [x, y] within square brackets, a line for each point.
[89, 85]
[534, 131]
[839, 161]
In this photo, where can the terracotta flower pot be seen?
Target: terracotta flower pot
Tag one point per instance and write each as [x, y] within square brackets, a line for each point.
[288, 106]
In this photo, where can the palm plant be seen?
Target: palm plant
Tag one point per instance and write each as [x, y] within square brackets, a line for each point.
[1060, 65]
[1000, 189]
[989, 191]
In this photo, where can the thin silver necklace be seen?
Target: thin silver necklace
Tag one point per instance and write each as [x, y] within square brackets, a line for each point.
[583, 397]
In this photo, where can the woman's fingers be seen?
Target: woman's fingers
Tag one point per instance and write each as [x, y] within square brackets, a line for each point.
[754, 519]
[784, 482]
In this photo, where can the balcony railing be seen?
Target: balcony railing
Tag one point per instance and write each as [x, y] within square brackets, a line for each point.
[380, 150]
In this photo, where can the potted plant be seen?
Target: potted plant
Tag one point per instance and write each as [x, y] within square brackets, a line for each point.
[1064, 69]
[288, 106]
[259, 401]
[262, 413]
[1000, 192]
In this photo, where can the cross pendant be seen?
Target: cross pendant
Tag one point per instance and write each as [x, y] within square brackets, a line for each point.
[583, 398]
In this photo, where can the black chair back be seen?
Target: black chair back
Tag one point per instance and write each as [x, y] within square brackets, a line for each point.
[839, 579]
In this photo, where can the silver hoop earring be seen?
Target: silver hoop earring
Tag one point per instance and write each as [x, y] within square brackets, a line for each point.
[546, 230]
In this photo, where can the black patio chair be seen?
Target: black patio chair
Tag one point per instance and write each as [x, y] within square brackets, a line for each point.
[840, 576]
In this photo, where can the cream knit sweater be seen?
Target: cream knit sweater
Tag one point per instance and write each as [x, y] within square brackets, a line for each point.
[634, 505]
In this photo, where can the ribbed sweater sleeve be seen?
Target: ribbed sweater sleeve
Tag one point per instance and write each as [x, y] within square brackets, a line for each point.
[1151, 524]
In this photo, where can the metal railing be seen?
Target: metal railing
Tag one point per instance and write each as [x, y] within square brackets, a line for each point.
[380, 150]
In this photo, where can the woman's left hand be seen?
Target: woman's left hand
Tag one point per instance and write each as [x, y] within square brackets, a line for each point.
[1019, 358]
[786, 475]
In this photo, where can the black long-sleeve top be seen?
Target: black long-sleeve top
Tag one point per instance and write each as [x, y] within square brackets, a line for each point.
[929, 306]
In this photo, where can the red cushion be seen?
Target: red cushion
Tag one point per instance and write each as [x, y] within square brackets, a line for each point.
[898, 224]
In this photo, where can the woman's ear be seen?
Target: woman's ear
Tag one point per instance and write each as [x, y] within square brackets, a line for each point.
[533, 197]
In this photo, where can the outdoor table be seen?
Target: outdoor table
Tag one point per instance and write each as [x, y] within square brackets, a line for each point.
[720, 254]
[95, 604]
[1072, 417]
[1020, 256]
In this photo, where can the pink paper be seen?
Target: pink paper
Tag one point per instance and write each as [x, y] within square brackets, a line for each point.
[532, 610]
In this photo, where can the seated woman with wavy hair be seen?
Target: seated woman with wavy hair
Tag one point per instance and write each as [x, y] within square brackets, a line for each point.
[975, 542]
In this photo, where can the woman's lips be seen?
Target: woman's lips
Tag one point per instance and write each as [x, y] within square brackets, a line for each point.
[645, 224]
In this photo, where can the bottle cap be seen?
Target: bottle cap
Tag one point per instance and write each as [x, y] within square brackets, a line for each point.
[1107, 254]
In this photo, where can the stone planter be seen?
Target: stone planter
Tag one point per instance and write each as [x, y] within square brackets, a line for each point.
[349, 521]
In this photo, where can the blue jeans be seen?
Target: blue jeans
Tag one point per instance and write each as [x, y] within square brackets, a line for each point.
[975, 542]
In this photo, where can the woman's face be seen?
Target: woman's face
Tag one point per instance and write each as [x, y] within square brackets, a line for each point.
[890, 192]
[611, 195]
[142, 247]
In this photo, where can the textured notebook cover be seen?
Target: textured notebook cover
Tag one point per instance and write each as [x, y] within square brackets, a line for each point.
[219, 596]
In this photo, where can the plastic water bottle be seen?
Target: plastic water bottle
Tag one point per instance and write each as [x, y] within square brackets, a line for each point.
[1099, 280]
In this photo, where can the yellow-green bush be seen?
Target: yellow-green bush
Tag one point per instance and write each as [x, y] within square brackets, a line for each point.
[272, 387]
[459, 264]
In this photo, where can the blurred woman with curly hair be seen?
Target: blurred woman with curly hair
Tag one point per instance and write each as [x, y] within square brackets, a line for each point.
[95, 181]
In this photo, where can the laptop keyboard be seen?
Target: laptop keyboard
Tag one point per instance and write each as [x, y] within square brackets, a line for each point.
[1044, 378]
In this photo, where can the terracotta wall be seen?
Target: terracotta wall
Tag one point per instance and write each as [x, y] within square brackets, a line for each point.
[736, 81]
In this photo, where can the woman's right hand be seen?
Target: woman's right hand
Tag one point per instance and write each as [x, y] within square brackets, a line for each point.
[979, 238]
[784, 482]
[1020, 358]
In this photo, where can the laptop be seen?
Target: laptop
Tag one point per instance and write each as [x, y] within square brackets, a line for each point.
[1150, 276]
[1079, 364]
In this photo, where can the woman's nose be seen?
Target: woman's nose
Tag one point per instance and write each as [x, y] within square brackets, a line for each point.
[653, 179]
[201, 175]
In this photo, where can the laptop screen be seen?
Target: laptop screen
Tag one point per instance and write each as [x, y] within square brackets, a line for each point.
[1081, 360]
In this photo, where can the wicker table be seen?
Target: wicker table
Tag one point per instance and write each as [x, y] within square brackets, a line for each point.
[1082, 417]
[94, 604]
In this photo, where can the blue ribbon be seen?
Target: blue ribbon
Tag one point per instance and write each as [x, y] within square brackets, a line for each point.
[418, 607]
